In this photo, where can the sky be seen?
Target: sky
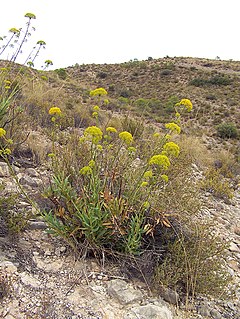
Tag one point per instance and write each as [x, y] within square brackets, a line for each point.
[116, 31]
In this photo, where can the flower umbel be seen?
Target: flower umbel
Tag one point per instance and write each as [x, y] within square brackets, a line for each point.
[94, 133]
[55, 111]
[171, 148]
[187, 103]
[160, 160]
[86, 170]
[98, 92]
[126, 137]
[2, 132]
[173, 127]
[111, 129]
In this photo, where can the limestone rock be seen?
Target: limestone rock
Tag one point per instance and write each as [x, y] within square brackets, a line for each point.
[125, 294]
[149, 311]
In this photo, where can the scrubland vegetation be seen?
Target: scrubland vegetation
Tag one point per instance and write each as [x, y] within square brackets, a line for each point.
[124, 141]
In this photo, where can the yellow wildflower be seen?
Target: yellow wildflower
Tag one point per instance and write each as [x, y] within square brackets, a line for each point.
[2, 132]
[187, 103]
[144, 184]
[131, 149]
[95, 114]
[111, 129]
[51, 154]
[98, 92]
[106, 102]
[146, 204]
[156, 135]
[173, 127]
[160, 160]
[148, 174]
[86, 170]
[96, 108]
[171, 148]
[55, 110]
[126, 137]
[165, 178]
[7, 151]
[94, 133]
[99, 147]
[91, 163]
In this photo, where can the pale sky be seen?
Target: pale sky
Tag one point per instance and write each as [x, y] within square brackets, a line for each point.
[114, 31]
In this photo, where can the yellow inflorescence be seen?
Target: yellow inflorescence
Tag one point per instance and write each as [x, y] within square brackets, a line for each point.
[187, 103]
[173, 127]
[86, 170]
[126, 137]
[111, 129]
[98, 92]
[94, 133]
[161, 160]
[2, 132]
[171, 148]
[55, 111]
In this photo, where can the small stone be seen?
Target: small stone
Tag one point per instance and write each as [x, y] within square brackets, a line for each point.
[120, 290]
[29, 280]
[149, 312]
[9, 266]
[4, 170]
[204, 310]
[169, 295]
[234, 247]
[31, 172]
[215, 314]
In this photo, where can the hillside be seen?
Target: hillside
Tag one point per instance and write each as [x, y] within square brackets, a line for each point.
[117, 199]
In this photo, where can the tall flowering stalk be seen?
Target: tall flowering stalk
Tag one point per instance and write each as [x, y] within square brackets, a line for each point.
[30, 17]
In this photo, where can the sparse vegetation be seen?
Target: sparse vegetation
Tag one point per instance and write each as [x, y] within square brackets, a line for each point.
[122, 176]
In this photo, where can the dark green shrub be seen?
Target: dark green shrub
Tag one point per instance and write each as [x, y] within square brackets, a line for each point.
[61, 73]
[227, 130]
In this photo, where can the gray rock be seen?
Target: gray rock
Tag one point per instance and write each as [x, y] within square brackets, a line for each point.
[125, 294]
[31, 172]
[204, 310]
[215, 314]
[4, 170]
[29, 181]
[149, 312]
[169, 295]
[30, 280]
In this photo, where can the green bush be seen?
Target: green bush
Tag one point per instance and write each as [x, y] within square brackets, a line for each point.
[61, 73]
[227, 130]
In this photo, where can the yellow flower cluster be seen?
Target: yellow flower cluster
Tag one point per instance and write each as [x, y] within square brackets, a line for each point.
[2, 132]
[171, 148]
[95, 114]
[187, 103]
[126, 137]
[148, 174]
[111, 129]
[96, 108]
[173, 127]
[86, 170]
[164, 178]
[161, 160]
[94, 133]
[55, 111]
[98, 92]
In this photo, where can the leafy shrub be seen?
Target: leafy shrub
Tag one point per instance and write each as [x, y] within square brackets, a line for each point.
[61, 73]
[166, 72]
[220, 80]
[227, 130]
[194, 262]
[217, 184]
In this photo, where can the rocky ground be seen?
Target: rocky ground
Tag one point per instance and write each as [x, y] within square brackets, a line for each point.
[43, 278]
